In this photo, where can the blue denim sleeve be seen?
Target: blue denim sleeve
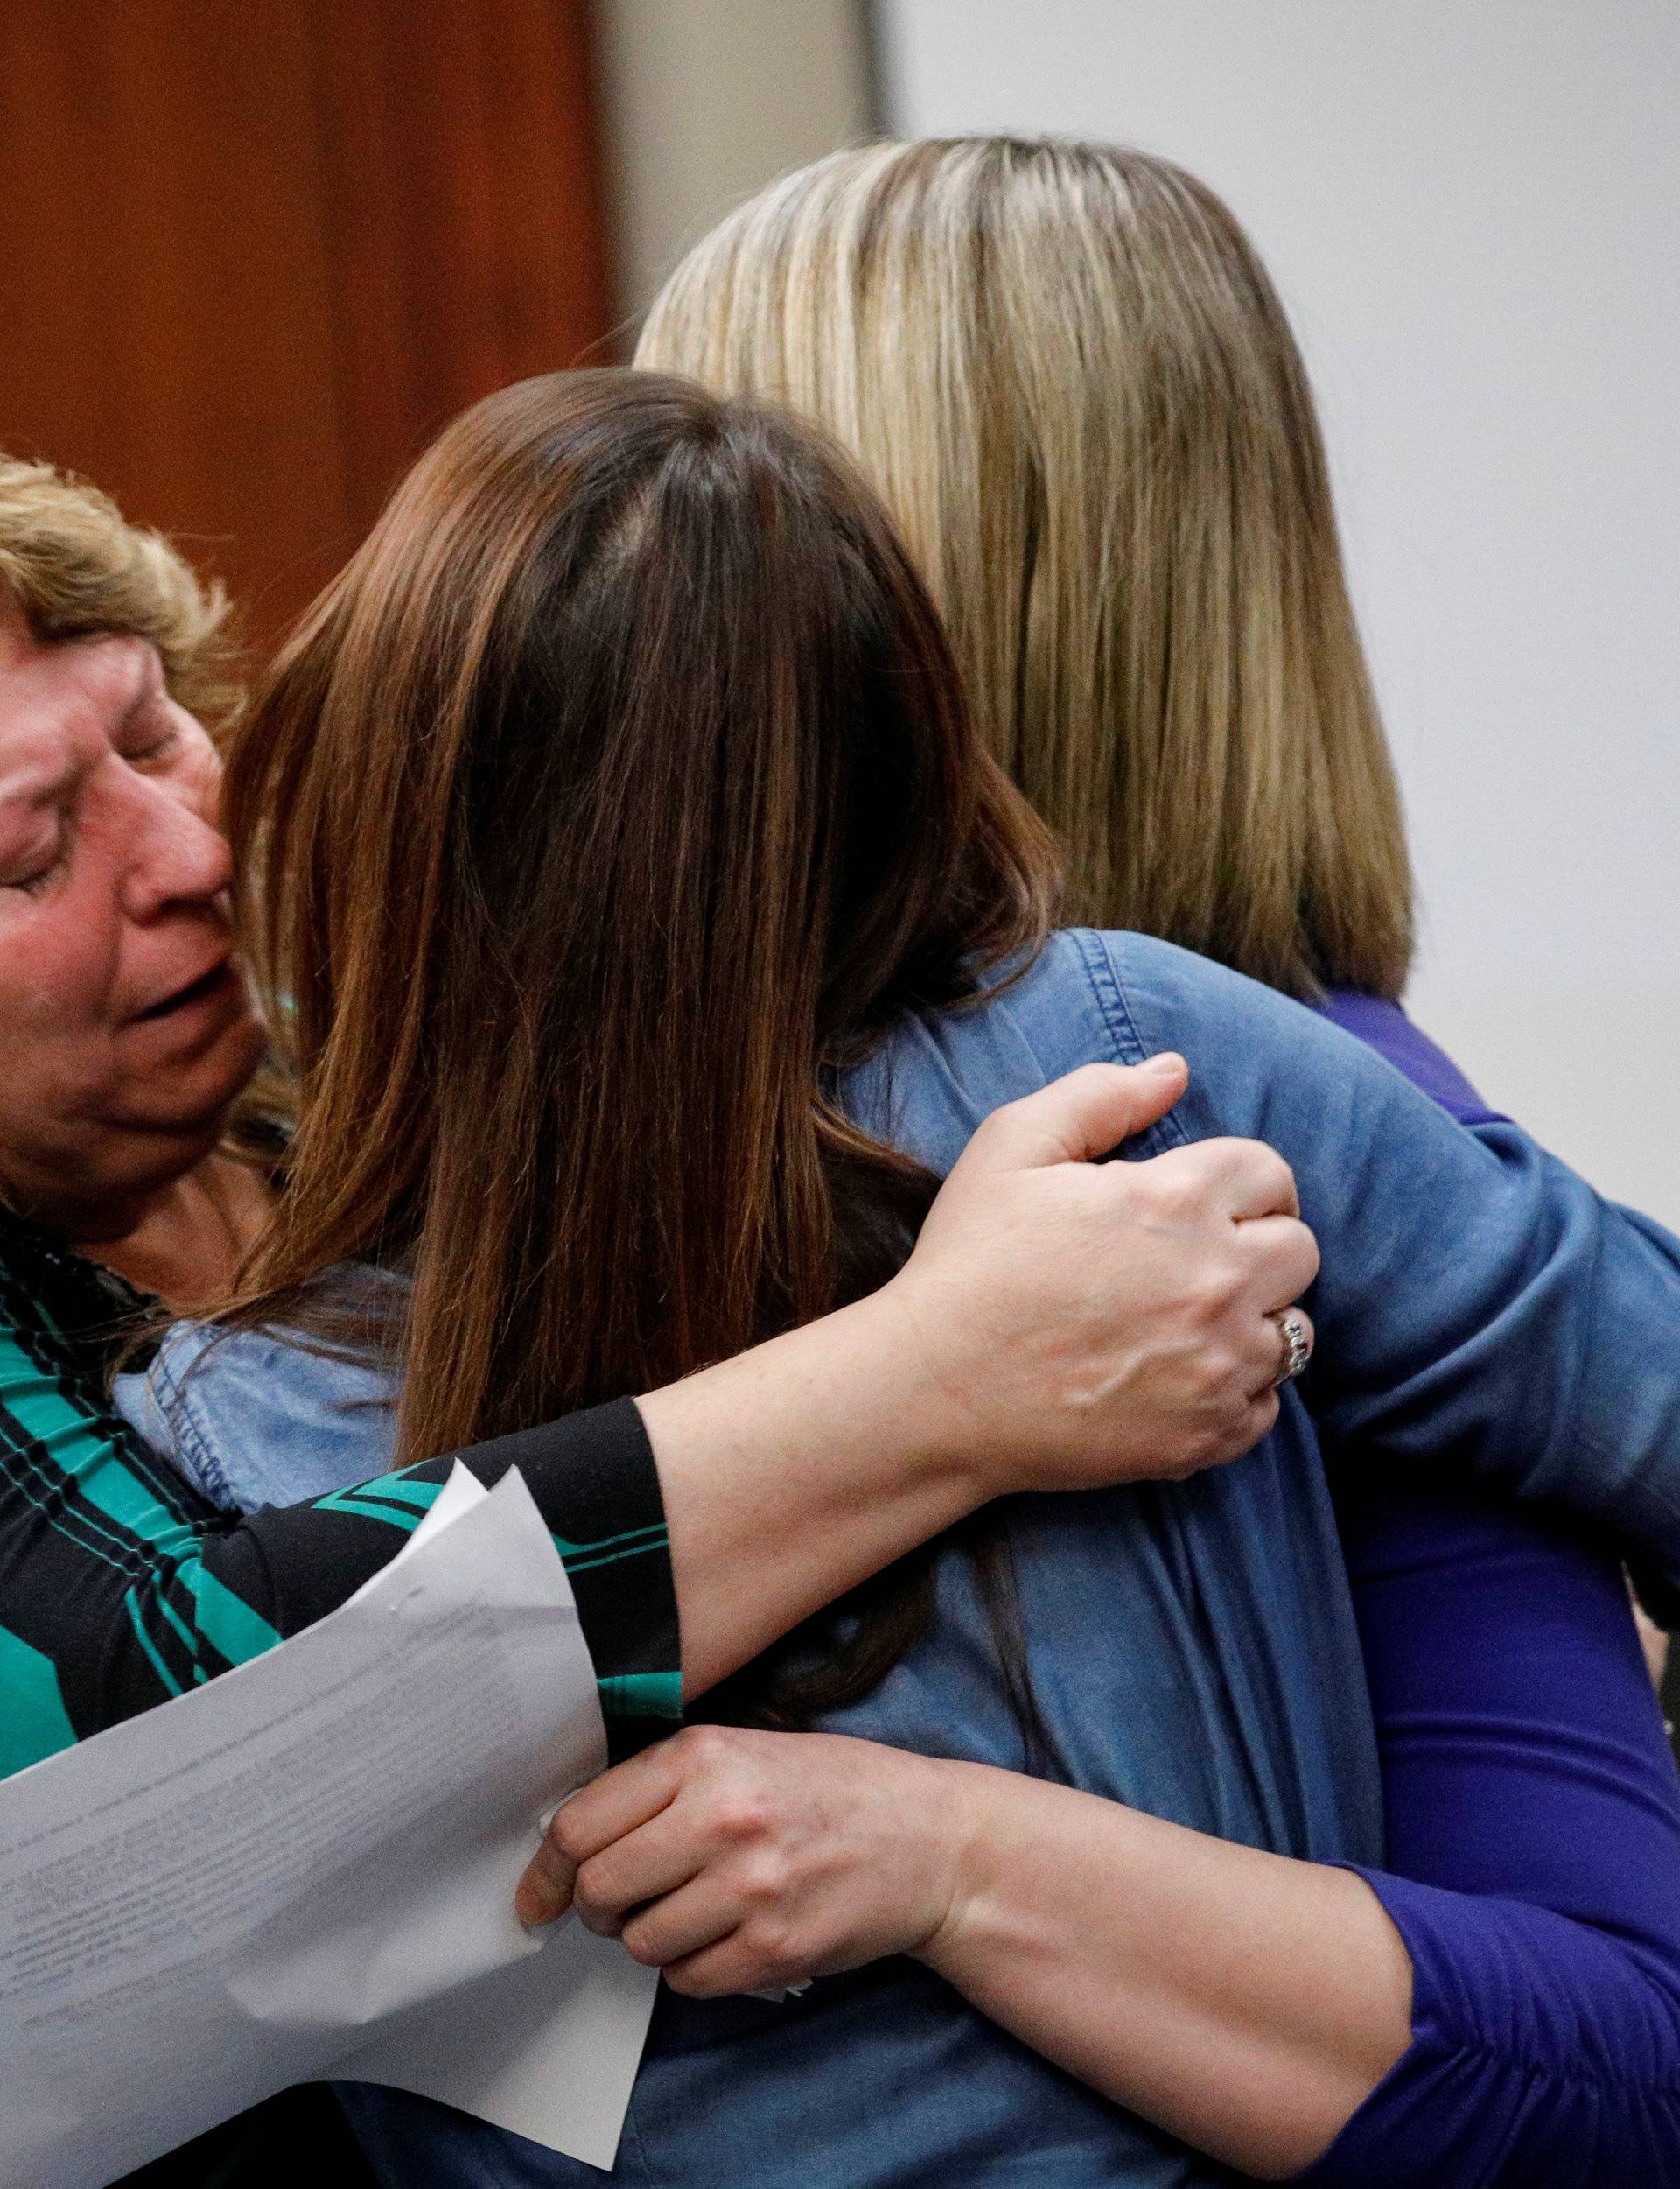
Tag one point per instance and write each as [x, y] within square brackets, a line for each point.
[254, 1420]
[1534, 1855]
[1478, 1303]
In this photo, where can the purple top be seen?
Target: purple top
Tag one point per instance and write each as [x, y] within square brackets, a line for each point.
[1533, 1818]
[1385, 1027]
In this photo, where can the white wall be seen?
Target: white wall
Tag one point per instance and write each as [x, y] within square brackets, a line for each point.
[1472, 210]
[706, 101]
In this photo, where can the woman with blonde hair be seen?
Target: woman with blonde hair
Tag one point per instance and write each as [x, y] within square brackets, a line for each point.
[657, 931]
[1067, 371]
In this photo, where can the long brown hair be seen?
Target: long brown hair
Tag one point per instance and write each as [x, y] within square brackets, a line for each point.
[618, 788]
[1066, 370]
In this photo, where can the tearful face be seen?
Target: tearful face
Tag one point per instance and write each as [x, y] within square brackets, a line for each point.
[126, 1030]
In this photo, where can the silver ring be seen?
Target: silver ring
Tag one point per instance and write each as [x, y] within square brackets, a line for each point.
[1298, 1345]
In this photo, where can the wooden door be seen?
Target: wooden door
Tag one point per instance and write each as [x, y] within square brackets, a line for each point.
[255, 251]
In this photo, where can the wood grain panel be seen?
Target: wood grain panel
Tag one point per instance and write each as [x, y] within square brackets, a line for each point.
[458, 132]
[254, 255]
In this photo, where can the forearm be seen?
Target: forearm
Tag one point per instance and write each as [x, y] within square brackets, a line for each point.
[1243, 2000]
[1059, 1324]
[794, 1471]
[1534, 1817]
[1544, 2055]
[779, 1478]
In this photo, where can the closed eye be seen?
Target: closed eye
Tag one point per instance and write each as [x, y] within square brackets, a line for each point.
[154, 737]
[34, 880]
[161, 748]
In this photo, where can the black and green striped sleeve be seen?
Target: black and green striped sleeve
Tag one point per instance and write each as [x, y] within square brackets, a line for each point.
[120, 1586]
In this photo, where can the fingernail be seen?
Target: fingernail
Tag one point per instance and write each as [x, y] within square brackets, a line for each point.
[1168, 1061]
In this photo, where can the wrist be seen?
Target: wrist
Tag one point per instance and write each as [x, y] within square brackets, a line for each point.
[911, 1399]
[833, 1428]
[972, 1806]
[943, 1386]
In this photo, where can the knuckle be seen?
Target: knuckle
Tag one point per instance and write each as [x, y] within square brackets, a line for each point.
[741, 1812]
[689, 1985]
[1272, 1174]
[765, 1879]
[1227, 1380]
[1204, 1448]
[592, 1888]
[1148, 1180]
[1216, 1289]
[1167, 1205]
[775, 1947]
[597, 1918]
[702, 1746]
[1297, 1250]
[1312, 1263]
[1195, 1165]
[565, 1835]
[640, 1943]
[1171, 1188]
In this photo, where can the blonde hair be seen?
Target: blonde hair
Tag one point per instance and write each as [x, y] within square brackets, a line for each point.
[75, 567]
[1067, 371]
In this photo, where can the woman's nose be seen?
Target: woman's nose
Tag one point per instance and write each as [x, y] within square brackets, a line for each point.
[177, 857]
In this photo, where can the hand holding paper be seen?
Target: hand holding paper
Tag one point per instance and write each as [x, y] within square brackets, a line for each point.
[306, 1868]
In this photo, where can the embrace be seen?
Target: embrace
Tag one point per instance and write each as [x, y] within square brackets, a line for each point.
[1154, 1634]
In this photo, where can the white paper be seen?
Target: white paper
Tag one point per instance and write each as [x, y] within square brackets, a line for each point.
[307, 1867]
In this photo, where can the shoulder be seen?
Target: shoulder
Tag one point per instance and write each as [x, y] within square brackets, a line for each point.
[1261, 1064]
[936, 1075]
[1090, 996]
[1386, 1028]
[258, 1417]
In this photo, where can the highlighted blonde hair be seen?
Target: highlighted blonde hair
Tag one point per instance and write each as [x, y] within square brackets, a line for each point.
[76, 566]
[1067, 371]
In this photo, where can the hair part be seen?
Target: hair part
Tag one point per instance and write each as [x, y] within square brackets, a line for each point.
[617, 789]
[1066, 370]
[76, 568]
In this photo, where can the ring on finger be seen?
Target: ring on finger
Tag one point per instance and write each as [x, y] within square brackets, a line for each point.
[1297, 1335]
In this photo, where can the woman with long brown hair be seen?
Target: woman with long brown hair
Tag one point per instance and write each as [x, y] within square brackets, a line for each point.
[128, 1131]
[657, 931]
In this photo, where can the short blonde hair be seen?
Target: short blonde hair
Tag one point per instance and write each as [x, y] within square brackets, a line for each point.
[1066, 370]
[76, 566]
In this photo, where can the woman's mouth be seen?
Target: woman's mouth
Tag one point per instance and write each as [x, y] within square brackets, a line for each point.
[201, 990]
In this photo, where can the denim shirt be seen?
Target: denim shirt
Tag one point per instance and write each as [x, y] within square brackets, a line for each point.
[1192, 1646]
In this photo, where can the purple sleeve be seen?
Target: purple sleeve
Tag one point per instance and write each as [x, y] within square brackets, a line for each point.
[1385, 1027]
[1534, 1851]
[1534, 1836]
